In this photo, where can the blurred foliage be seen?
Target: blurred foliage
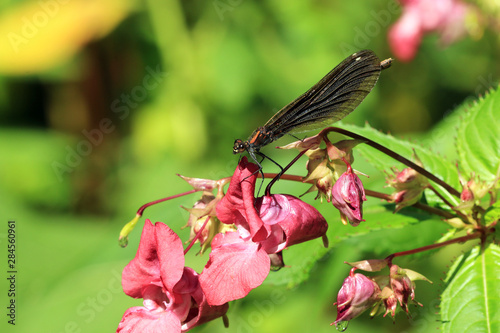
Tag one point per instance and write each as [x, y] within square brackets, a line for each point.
[102, 102]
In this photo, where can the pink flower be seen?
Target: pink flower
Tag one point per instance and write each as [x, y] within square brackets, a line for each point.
[239, 260]
[173, 298]
[348, 195]
[419, 17]
[358, 293]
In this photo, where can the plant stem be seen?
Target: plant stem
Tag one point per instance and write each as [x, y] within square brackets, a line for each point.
[278, 176]
[474, 235]
[433, 210]
[446, 202]
[396, 156]
[143, 207]
[418, 205]
[198, 234]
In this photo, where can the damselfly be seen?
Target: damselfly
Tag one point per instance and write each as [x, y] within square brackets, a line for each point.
[331, 99]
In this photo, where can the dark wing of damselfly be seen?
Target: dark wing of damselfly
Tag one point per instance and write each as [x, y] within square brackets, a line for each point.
[331, 99]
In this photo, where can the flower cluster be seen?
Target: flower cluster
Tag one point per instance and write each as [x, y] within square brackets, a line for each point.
[330, 172]
[172, 294]
[247, 236]
[176, 298]
[381, 294]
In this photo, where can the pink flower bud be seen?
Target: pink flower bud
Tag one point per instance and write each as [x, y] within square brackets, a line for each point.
[409, 186]
[348, 195]
[358, 293]
[402, 286]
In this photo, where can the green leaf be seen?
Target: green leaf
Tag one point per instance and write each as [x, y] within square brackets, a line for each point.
[443, 135]
[492, 213]
[439, 165]
[478, 142]
[301, 258]
[471, 300]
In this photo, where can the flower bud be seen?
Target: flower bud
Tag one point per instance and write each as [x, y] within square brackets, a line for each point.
[348, 195]
[203, 209]
[358, 293]
[402, 286]
[342, 149]
[467, 195]
[409, 186]
[319, 174]
[400, 289]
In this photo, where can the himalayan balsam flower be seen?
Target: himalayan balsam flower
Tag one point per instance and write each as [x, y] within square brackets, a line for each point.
[398, 288]
[358, 293]
[419, 17]
[239, 261]
[173, 298]
[348, 195]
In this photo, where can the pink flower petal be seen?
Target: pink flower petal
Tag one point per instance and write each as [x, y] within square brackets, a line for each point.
[419, 17]
[144, 269]
[140, 320]
[204, 313]
[233, 270]
[293, 221]
[358, 293]
[171, 255]
[237, 206]
[188, 283]
[348, 195]
[405, 36]
[161, 265]
[305, 222]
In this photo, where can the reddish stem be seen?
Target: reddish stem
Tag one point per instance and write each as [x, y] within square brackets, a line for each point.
[394, 155]
[474, 235]
[143, 207]
[198, 234]
[278, 176]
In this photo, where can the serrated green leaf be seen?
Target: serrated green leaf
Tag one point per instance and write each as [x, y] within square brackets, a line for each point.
[471, 300]
[443, 135]
[433, 162]
[478, 142]
[493, 213]
[301, 258]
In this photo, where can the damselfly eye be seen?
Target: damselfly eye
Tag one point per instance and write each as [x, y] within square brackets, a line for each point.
[238, 147]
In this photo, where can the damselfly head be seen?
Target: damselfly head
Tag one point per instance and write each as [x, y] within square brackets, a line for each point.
[239, 146]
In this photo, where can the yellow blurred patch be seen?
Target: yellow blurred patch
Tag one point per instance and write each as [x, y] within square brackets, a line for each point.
[38, 35]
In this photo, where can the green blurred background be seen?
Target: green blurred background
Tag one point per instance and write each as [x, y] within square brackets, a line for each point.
[103, 102]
